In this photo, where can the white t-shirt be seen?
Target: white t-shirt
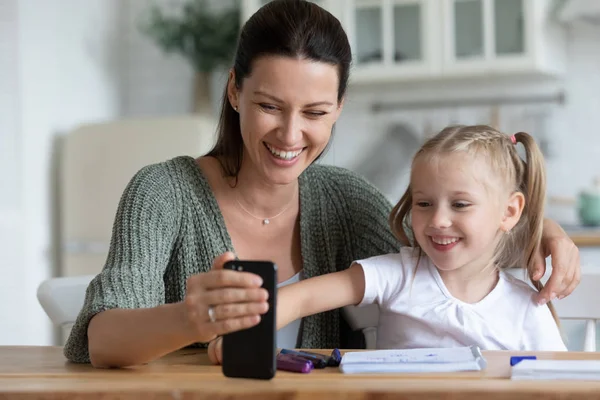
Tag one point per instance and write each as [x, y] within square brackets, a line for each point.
[416, 310]
[287, 337]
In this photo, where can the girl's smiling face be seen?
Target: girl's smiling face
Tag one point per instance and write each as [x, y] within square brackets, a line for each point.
[458, 210]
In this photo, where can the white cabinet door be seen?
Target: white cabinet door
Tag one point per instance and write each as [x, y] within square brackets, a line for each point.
[392, 39]
[483, 37]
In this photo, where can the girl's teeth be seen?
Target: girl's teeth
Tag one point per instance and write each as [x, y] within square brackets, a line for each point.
[285, 155]
[444, 241]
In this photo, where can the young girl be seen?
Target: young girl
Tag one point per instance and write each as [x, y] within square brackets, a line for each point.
[472, 209]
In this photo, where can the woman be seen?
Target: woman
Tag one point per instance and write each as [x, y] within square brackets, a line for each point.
[256, 194]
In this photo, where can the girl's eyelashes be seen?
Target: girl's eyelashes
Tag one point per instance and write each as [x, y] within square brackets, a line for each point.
[457, 204]
[461, 204]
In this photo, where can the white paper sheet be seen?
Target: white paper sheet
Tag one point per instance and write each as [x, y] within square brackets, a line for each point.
[413, 360]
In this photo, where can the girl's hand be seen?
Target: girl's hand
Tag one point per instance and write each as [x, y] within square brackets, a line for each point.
[566, 271]
[221, 301]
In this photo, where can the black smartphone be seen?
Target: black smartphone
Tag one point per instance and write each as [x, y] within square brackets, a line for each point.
[251, 353]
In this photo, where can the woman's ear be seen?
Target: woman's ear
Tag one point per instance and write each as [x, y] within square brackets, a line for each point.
[513, 211]
[232, 90]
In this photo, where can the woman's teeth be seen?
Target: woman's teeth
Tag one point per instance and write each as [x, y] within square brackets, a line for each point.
[444, 241]
[284, 155]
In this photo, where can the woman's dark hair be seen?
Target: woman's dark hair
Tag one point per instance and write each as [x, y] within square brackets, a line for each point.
[291, 28]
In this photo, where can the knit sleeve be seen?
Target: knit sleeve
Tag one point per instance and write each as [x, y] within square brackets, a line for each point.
[143, 238]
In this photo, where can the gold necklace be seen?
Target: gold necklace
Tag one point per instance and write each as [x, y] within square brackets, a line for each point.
[265, 221]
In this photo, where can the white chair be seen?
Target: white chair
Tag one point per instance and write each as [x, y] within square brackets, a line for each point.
[62, 298]
[582, 304]
[365, 318]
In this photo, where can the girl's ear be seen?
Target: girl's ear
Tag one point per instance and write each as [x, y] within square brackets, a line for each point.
[513, 211]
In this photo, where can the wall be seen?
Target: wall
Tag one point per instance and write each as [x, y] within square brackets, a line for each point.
[577, 150]
[11, 279]
[60, 69]
[155, 83]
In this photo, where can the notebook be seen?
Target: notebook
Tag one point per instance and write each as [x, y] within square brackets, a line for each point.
[413, 360]
[556, 369]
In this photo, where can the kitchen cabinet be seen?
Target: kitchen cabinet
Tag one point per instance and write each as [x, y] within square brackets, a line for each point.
[392, 39]
[411, 40]
[500, 37]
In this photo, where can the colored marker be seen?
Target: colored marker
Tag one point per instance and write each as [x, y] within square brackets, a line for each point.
[318, 363]
[307, 354]
[286, 362]
[335, 358]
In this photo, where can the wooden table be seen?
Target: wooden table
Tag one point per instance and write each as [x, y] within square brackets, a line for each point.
[43, 373]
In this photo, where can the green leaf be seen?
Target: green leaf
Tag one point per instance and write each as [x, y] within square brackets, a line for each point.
[206, 38]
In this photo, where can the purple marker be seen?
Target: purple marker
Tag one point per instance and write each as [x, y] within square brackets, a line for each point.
[306, 354]
[317, 363]
[287, 362]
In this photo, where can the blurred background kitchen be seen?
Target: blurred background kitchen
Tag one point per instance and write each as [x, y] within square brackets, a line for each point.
[90, 91]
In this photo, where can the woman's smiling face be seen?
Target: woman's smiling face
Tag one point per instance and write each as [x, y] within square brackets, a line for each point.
[287, 109]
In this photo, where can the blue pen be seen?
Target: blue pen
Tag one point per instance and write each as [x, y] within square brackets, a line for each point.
[335, 358]
[517, 359]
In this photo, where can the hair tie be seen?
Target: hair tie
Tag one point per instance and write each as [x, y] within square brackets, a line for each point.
[513, 139]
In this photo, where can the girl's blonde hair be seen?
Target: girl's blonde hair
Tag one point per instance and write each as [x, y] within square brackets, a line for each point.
[519, 247]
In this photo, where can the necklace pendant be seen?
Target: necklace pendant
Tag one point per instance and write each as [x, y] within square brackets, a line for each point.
[266, 221]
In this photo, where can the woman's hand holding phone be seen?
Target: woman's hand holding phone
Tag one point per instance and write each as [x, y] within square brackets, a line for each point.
[221, 301]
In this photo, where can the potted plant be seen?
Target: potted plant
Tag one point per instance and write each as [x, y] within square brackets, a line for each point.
[205, 37]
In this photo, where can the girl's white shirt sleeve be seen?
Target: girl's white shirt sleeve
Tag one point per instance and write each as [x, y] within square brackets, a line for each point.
[386, 275]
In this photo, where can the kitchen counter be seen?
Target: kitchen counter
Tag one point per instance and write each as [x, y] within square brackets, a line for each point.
[584, 236]
[585, 239]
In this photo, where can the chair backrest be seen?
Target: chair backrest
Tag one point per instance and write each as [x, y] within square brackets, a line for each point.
[62, 298]
[583, 302]
[365, 318]
[97, 161]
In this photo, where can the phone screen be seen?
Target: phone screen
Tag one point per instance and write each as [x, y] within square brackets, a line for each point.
[251, 353]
